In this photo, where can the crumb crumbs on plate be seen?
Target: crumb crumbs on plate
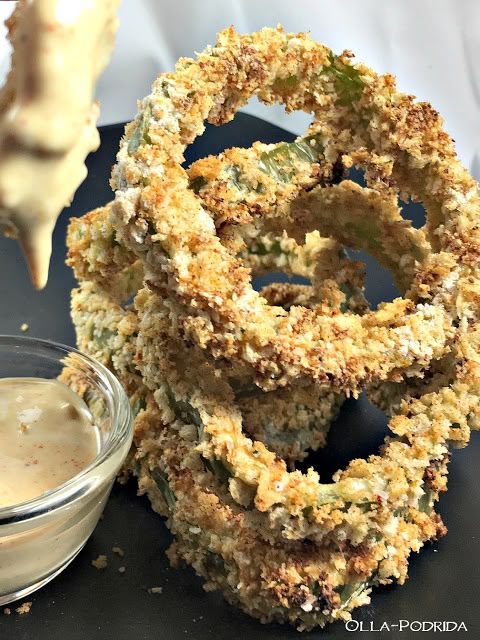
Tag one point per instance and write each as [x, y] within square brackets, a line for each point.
[121, 569]
[118, 551]
[24, 608]
[100, 562]
[7, 611]
[155, 590]
[24, 327]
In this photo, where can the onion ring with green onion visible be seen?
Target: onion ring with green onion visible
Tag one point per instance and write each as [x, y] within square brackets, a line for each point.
[197, 316]
[165, 225]
[221, 538]
[290, 422]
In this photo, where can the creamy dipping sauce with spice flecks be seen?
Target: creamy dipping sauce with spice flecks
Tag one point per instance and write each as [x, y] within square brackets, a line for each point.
[47, 436]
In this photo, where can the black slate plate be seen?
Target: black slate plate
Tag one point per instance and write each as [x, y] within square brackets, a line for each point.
[84, 603]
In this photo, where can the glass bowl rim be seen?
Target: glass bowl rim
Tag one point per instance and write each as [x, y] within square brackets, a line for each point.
[122, 433]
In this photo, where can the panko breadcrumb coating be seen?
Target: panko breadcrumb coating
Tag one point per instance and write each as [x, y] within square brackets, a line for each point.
[24, 608]
[309, 583]
[204, 357]
[174, 234]
[100, 562]
[290, 422]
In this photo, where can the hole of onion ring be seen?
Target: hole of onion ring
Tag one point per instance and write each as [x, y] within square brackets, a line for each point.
[129, 302]
[413, 211]
[379, 286]
[254, 129]
[358, 432]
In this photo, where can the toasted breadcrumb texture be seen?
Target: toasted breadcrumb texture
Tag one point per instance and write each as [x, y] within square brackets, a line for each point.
[100, 562]
[229, 544]
[229, 386]
[24, 608]
[166, 224]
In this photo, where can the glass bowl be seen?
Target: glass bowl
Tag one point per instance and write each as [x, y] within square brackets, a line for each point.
[40, 537]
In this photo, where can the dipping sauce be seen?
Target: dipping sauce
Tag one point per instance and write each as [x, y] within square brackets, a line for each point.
[47, 436]
[48, 115]
[39, 537]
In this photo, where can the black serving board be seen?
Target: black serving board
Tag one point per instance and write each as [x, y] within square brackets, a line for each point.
[84, 603]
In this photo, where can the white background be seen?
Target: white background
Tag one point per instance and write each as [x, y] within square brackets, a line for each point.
[432, 46]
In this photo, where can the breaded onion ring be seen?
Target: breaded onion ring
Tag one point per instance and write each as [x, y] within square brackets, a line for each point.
[289, 422]
[240, 517]
[166, 226]
[209, 510]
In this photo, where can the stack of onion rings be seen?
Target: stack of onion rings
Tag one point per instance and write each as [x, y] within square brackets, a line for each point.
[290, 421]
[281, 544]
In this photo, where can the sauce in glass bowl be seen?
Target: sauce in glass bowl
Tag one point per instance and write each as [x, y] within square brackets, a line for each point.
[47, 435]
[47, 514]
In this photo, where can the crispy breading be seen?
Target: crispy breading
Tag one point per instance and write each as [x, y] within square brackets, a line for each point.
[305, 581]
[215, 306]
[197, 339]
